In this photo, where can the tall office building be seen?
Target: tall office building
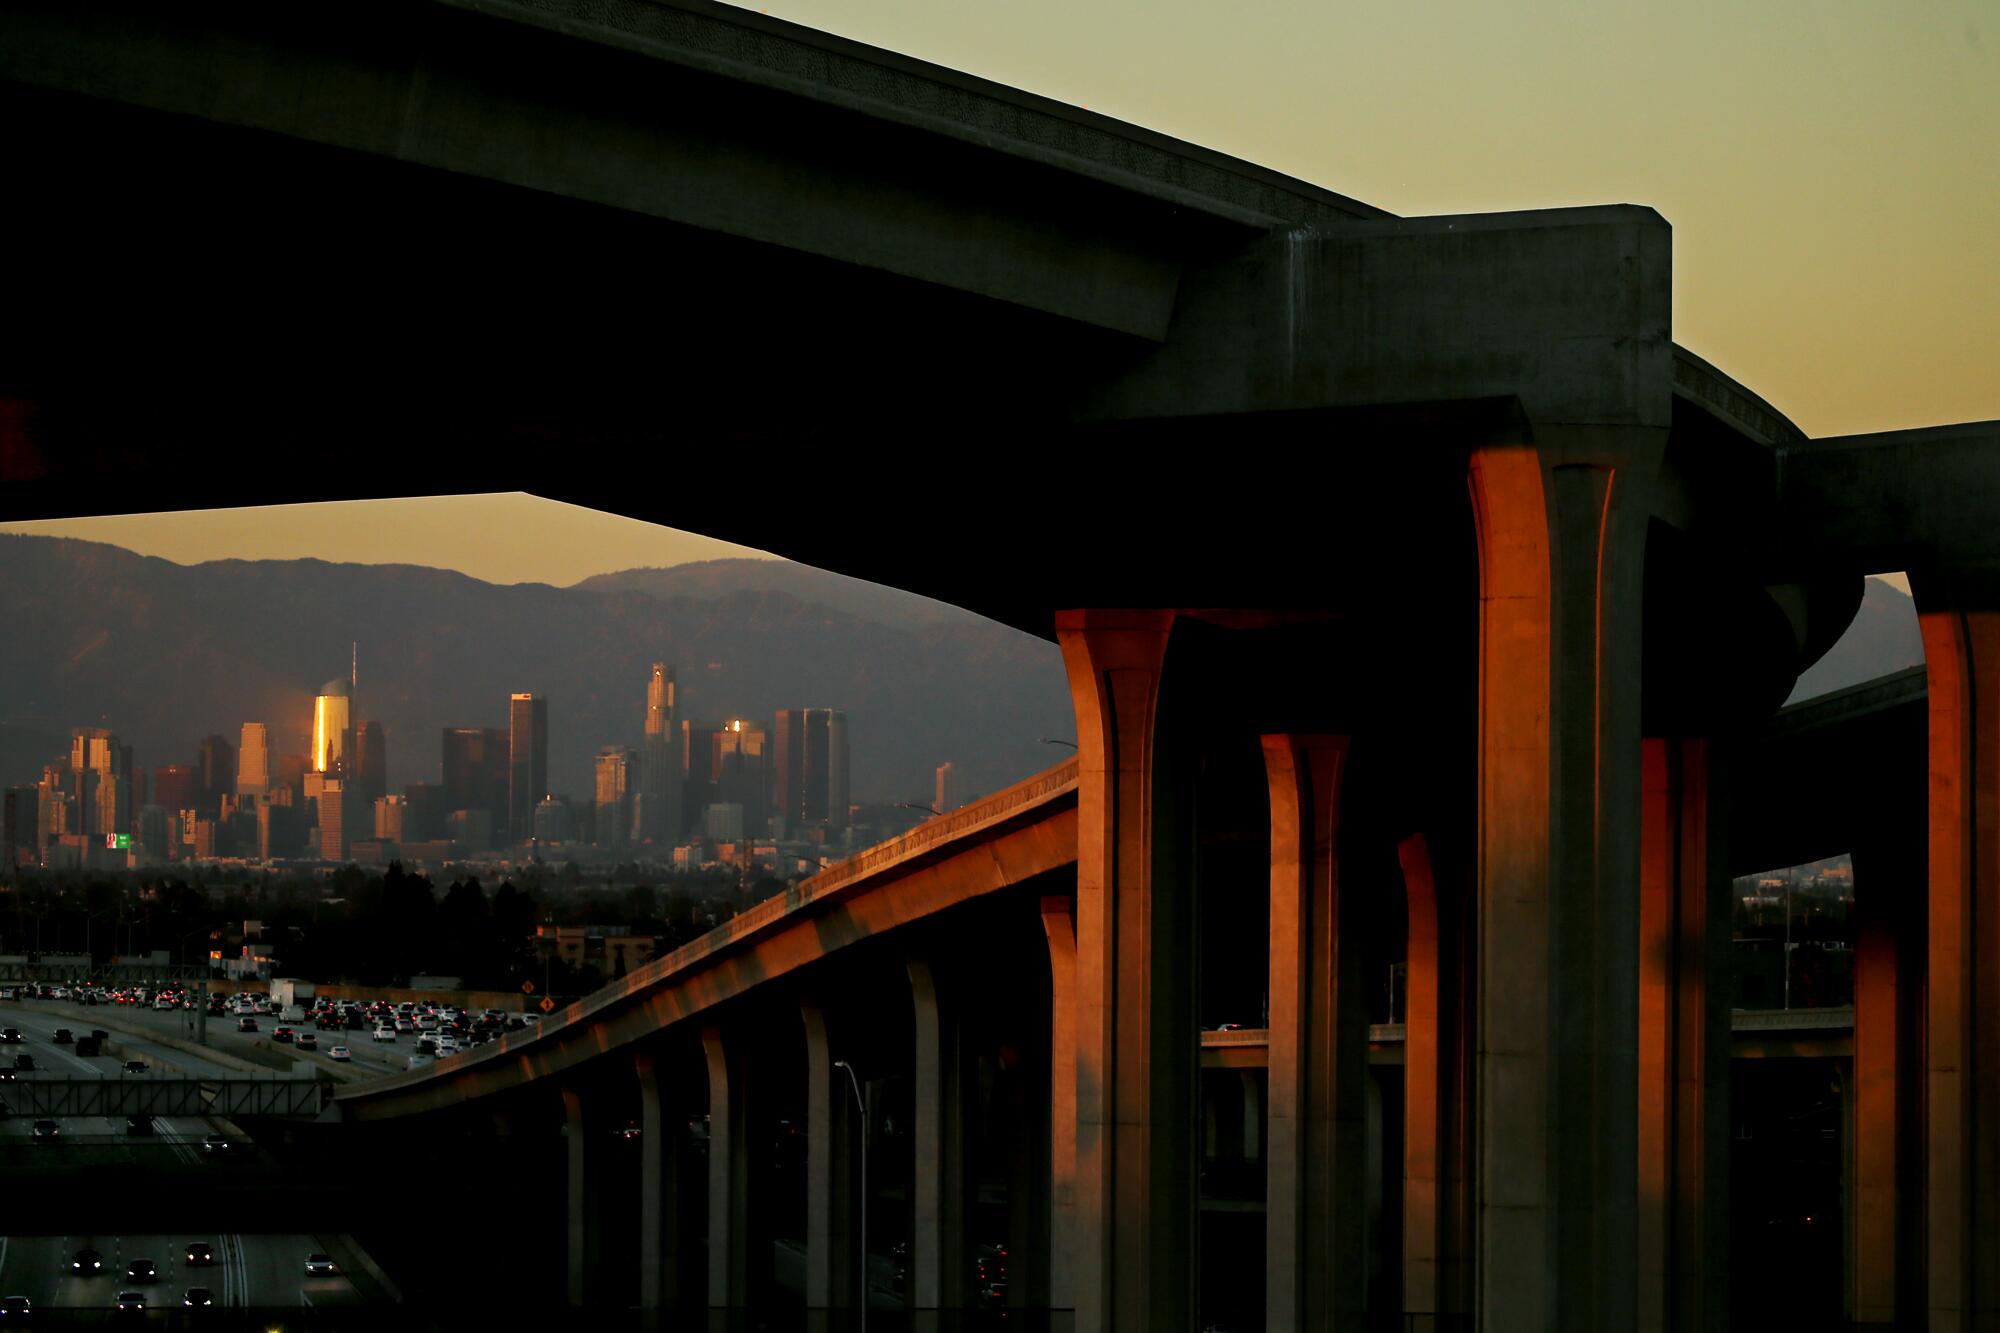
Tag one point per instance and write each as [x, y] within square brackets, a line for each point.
[253, 762]
[337, 811]
[176, 787]
[216, 771]
[527, 762]
[371, 762]
[333, 727]
[617, 774]
[475, 772]
[99, 783]
[741, 772]
[424, 812]
[809, 766]
[660, 767]
[19, 820]
[950, 789]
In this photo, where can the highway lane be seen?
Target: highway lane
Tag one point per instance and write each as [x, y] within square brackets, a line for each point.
[181, 1135]
[137, 1024]
[250, 1270]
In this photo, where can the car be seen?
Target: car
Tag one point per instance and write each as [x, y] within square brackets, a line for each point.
[318, 1264]
[63, 1037]
[405, 1025]
[215, 1143]
[306, 1041]
[631, 1130]
[47, 1129]
[385, 1034]
[6, 1073]
[281, 1034]
[86, 1263]
[339, 1053]
[200, 1297]
[139, 1125]
[12, 1036]
[246, 1024]
[142, 1270]
[135, 1066]
[200, 1254]
[15, 1309]
[131, 1300]
[24, 1061]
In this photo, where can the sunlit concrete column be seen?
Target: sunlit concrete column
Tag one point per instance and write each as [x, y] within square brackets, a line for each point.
[1683, 1042]
[1137, 1037]
[937, 1239]
[1059, 924]
[1423, 1125]
[1962, 992]
[829, 1245]
[1317, 1051]
[1871, 1166]
[659, 1192]
[1561, 539]
[577, 1197]
[728, 1174]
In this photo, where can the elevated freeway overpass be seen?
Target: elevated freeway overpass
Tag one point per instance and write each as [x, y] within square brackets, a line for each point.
[1417, 592]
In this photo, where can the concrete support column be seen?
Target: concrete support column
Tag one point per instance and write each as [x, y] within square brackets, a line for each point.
[1423, 1111]
[659, 1193]
[1684, 913]
[938, 1257]
[1059, 924]
[1137, 1037]
[1962, 992]
[1253, 1114]
[829, 1206]
[577, 1198]
[1561, 541]
[728, 1174]
[1318, 1039]
[1874, 1131]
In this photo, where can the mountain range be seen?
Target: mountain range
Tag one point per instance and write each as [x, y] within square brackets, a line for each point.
[163, 654]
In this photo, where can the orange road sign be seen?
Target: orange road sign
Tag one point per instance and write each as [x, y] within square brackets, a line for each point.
[548, 1005]
[527, 988]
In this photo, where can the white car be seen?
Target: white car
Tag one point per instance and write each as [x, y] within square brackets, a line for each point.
[385, 1034]
[447, 1046]
[339, 1053]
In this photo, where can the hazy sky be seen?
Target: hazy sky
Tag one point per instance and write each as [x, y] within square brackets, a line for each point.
[511, 538]
[1831, 169]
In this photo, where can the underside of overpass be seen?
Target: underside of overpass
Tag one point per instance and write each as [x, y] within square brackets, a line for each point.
[1422, 602]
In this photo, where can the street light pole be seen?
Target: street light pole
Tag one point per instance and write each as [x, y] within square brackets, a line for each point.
[862, 1108]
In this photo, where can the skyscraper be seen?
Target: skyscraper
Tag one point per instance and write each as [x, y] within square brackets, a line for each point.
[333, 723]
[527, 762]
[475, 773]
[617, 773]
[217, 771]
[253, 762]
[659, 803]
[809, 768]
[742, 772]
[99, 783]
[176, 787]
[371, 762]
[950, 789]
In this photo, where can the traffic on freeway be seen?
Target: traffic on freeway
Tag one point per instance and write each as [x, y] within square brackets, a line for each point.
[348, 1039]
[129, 1271]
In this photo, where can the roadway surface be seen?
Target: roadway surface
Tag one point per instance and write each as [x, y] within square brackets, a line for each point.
[140, 1028]
[250, 1270]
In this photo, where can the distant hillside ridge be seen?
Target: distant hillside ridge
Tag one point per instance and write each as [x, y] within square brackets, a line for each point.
[1884, 638]
[707, 580]
[165, 653]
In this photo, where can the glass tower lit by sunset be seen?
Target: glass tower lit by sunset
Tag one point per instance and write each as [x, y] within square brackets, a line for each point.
[333, 723]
